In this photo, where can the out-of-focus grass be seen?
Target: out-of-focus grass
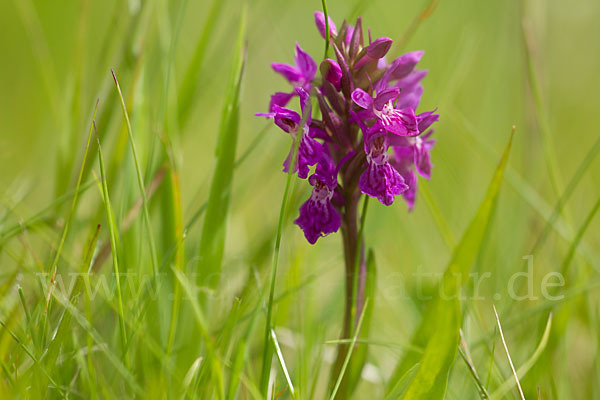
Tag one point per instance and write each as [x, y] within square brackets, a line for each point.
[486, 74]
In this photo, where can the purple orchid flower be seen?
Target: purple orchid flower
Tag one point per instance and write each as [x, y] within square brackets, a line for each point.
[401, 122]
[382, 98]
[309, 149]
[380, 179]
[299, 75]
[318, 217]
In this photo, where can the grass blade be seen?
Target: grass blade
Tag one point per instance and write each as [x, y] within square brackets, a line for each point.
[463, 350]
[583, 167]
[240, 356]
[512, 367]
[438, 332]
[213, 361]
[189, 83]
[578, 237]
[33, 357]
[521, 371]
[63, 237]
[350, 350]
[140, 179]
[212, 241]
[282, 363]
[112, 228]
[17, 228]
[119, 367]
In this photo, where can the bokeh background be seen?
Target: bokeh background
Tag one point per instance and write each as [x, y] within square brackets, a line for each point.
[492, 64]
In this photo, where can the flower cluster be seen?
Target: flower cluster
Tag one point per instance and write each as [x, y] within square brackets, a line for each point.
[366, 106]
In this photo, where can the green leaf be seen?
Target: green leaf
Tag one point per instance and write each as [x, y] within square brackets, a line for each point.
[438, 332]
[212, 242]
[114, 242]
[241, 353]
[431, 377]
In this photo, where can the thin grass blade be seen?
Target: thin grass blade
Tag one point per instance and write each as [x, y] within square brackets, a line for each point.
[212, 241]
[523, 369]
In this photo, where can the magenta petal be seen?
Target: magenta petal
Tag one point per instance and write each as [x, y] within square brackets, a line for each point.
[403, 162]
[332, 72]
[382, 182]
[286, 119]
[411, 80]
[409, 120]
[385, 96]
[403, 65]
[318, 218]
[289, 72]
[304, 98]
[410, 195]
[266, 115]
[305, 64]
[309, 153]
[397, 128]
[362, 98]
[410, 97]
[349, 34]
[426, 119]
[320, 22]
[280, 99]
[422, 158]
[379, 48]
[423, 164]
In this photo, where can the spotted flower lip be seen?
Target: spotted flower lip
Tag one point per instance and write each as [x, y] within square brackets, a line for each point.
[380, 179]
[399, 122]
[368, 139]
[318, 217]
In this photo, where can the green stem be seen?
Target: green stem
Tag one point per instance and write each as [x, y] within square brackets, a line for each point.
[326, 15]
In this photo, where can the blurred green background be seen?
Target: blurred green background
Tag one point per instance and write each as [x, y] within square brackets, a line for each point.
[492, 64]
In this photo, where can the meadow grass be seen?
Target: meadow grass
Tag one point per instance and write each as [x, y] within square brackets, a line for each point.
[146, 241]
